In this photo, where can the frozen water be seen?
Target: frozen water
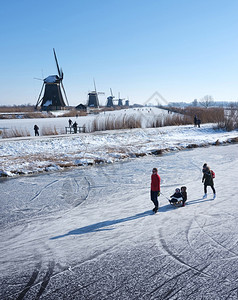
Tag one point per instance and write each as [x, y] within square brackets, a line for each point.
[89, 233]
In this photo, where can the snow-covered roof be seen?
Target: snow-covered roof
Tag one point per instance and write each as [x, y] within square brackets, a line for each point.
[52, 79]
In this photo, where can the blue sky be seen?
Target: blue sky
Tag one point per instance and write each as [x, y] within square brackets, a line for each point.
[183, 49]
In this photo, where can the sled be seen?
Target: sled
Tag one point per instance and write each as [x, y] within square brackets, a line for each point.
[176, 202]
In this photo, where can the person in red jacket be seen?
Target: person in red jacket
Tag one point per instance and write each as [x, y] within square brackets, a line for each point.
[155, 189]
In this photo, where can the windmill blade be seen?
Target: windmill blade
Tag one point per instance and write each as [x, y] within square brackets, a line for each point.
[56, 62]
[61, 73]
[38, 78]
[64, 93]
[111, 93]
[39, 99]
[94, 85]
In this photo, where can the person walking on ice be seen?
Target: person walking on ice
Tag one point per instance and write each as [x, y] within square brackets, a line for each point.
[155, 189]
[207, 178]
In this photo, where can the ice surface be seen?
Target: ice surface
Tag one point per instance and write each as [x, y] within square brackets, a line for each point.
[89, 233]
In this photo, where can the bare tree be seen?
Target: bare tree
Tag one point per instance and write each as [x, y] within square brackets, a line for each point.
[207, 101]
[195, 103]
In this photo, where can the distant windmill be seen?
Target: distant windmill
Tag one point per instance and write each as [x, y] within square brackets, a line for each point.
[93, 97]
[127, 102]
[53, 85]
[110, 100]
[120, 100]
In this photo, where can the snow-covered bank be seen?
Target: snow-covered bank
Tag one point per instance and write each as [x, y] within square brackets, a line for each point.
[40, 154]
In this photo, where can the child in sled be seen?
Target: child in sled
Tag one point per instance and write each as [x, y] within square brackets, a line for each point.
[184, 194]
[179, 197]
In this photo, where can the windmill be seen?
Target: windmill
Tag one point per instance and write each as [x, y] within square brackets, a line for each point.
[127, 102]
[93, 97]
[110, 100]
[120, 100]
[53, 85]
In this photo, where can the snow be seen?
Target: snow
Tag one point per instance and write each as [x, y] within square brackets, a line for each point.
[84, 229]
[51, 79]
[39, 154]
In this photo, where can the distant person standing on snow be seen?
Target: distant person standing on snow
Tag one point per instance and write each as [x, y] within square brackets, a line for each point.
[75, 127]
[208, 180]
[195, 120]
[70, 122]
[155, 189]
[36, 129]
[198, 122]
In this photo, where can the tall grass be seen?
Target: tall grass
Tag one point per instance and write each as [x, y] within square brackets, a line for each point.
[224, 118]
[110, 123]
[14, 132]
[230, 121]
[206, 115]
[173, 120]
[17, 108]
[130, 122]
[27, 115]
[74, 113]
[49, 131]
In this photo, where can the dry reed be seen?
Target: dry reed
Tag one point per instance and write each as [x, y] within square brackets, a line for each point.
[49, 131]
[74, 113]
[14, 132]
[109, 123]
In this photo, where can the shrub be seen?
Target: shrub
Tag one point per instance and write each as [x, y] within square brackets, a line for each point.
[230, 121]
[206, 115]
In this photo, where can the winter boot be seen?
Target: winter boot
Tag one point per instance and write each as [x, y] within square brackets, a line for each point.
[214, 195]
[204, 196]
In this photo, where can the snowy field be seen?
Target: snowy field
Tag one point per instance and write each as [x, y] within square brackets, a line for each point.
[29, 155]
[89, 233]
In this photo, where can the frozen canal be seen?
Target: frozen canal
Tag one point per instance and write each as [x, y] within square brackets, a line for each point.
[89, 233]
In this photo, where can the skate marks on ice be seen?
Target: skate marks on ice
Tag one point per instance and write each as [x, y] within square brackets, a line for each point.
[42, 189]
[199, 259]
[39, 284]
[30, 282]
[41, 195]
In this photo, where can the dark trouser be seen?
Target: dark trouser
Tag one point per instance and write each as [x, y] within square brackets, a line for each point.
[154, 198]
[205, 189]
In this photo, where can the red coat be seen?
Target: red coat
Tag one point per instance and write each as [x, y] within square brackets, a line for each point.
[155, 182]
